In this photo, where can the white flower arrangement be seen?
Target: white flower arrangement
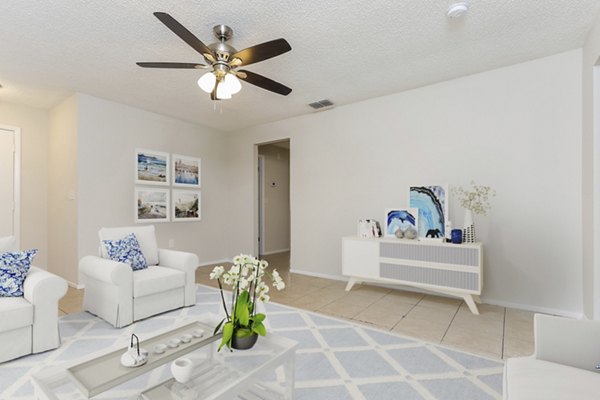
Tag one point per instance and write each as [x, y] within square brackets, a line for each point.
[246, 279]
[477, 200]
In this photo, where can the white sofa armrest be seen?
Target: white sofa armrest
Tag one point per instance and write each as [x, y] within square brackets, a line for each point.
[106, 270]
[41, 286]
[108, 289]
[185, 262]
[181, 260]
[43, 289]
[567, 341]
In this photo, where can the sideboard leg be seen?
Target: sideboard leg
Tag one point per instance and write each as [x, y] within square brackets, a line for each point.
[351, 283]
[471, 303]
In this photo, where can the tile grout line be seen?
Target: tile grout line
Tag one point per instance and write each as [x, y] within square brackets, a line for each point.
[450, 324]
[405, 315]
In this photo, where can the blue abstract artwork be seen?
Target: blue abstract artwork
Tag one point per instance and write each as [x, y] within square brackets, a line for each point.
[400, 219]
[432, 202]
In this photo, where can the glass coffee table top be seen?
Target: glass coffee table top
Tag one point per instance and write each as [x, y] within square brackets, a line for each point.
[216, 375]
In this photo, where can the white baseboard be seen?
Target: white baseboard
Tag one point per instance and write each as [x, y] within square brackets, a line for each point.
[266, 253]
[532, 308]
[77, 286]
[486, 300]
[318, 275]
[222, 261]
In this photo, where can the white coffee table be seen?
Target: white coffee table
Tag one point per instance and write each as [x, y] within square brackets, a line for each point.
[264, 372]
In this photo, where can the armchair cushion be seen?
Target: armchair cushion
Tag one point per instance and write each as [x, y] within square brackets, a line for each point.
[155, 280]
[13, 271]
[145, 236]
[15, 312]
[126, 250]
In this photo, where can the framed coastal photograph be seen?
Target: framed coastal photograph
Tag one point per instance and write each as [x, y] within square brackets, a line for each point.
[186, 205]
[400, 218]
[186, 171]
[151, 167]
[432, 202]
[151, 205]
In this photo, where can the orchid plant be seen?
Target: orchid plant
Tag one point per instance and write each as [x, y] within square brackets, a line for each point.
[477, 200]
[246, 280]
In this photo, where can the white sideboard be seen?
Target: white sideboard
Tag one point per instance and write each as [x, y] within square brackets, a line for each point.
[451, 269]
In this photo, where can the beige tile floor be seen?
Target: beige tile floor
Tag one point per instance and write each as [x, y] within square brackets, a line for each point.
[498, 332]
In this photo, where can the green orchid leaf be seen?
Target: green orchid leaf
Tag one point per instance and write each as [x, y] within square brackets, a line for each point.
[243, 332]
[242, 313]
[259, 317]
[244, 297]
[227, 335]
[259, 328]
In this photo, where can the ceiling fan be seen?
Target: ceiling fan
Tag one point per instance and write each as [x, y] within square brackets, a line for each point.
[224, 60]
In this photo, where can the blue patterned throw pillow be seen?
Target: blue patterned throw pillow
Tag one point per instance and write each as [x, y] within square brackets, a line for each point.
[126, 250]
[14, 266]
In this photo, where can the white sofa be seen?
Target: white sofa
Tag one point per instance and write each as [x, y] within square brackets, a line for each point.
[564, 363]
[119, 295]
[29, 324]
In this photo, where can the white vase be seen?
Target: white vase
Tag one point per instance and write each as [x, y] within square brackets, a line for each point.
[468, 227]
[182, 369]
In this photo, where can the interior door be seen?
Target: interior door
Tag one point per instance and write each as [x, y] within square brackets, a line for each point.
[7, 183]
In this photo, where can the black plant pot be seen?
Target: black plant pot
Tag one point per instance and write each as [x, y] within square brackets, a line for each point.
[244, 343]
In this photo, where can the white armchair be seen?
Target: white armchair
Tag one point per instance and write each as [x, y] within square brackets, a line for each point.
[119, 295]
[29, 324]
[563, 366]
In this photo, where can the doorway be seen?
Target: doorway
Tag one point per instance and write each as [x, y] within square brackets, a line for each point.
[10, 163]
[274, 198]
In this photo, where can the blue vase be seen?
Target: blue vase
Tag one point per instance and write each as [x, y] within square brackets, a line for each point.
[456, 236]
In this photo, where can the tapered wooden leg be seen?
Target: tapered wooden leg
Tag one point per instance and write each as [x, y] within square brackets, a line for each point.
[351, 283]
[471, 303]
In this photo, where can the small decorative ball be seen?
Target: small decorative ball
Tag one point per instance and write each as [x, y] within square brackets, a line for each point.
[410, 233]
[399, 234]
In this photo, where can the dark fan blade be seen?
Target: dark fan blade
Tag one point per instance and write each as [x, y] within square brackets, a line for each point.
[262, 51]
[265, 83]
[183, 33]
[171, 65]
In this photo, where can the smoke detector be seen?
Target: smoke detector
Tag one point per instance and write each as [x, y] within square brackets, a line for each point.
[457, 9]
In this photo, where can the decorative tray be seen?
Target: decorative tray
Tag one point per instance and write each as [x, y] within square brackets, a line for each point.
[97, 375]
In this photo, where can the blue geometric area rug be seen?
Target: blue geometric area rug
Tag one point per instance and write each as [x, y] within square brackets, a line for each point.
[335, 359]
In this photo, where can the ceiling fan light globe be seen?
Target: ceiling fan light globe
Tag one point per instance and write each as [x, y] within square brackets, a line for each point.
[232, 83]
[222, 92]
[207, 82]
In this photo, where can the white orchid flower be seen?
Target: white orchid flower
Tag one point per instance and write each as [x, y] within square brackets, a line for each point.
[264, 298]
[234, 269]
[279, 285]
[217, 272]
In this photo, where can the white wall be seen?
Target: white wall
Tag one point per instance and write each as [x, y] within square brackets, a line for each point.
[108, 134]
[276, 198]
[34, 164]
[62, 185]
[591, 172]
[515, 128]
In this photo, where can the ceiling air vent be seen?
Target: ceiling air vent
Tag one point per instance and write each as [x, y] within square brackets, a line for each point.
[321, 105]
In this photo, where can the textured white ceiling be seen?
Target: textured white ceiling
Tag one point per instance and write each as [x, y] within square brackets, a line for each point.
[343, 50]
